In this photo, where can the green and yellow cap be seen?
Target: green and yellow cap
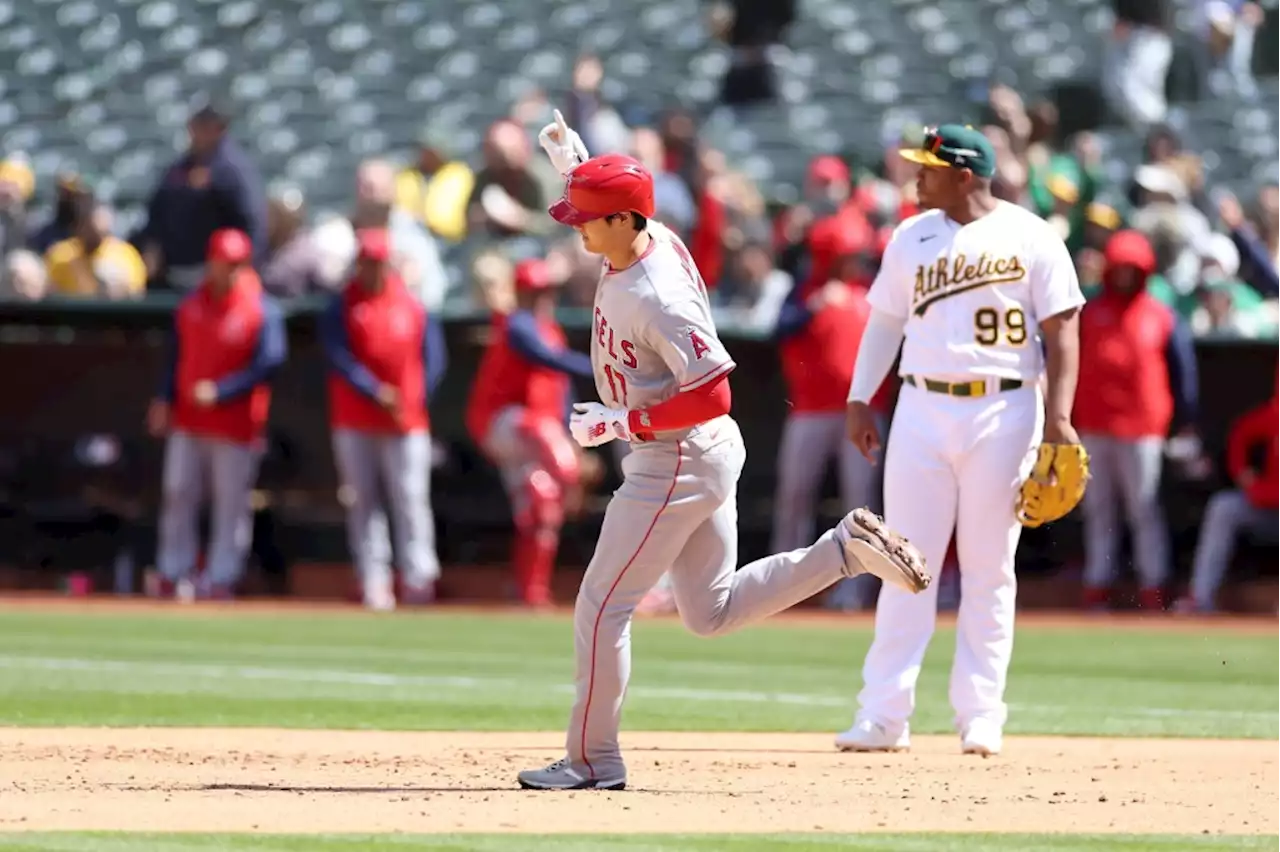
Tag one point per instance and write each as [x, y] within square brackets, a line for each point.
[954, 146]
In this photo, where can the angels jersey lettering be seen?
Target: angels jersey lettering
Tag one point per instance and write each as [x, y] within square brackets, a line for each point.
[973, 296]
[653, 336]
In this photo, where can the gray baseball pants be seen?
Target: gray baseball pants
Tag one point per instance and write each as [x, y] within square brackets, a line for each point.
[1124, 474]
[1228, 514]
[401, 464]
[196, 467]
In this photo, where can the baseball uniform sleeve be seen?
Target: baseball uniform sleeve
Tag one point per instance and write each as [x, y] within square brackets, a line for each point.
[890, 293]
[1054, 285]
[270, 353]
[685, 338]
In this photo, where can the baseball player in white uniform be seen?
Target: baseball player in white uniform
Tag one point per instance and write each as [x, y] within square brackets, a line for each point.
[970, 289]
[662, 375]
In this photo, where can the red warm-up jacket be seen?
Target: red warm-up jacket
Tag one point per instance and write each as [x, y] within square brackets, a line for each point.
[818, 360]
[506, 378]
[371, 339]
[1125, 388]
[1261, 426]
[234, 339]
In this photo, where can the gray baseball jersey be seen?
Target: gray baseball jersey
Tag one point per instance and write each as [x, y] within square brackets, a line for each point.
[676, 510]
[654, 336]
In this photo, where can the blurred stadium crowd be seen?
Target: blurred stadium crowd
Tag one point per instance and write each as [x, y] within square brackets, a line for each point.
[771, 127]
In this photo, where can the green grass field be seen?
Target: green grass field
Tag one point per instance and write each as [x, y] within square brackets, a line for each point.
[471, 672]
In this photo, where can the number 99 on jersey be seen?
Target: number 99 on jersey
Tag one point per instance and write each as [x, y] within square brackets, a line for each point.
[991, 325]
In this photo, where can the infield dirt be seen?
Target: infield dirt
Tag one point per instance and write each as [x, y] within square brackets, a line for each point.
[254, 780]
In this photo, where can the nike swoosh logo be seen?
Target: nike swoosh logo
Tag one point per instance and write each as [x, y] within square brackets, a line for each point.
[926, 239]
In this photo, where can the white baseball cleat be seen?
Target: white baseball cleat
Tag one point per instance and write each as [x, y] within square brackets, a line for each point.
[875, 549]
[872, 736]
[982, 736]
[562, 776]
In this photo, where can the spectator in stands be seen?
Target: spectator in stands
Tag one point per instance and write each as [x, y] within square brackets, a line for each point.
[213, 186]
[414, 253]
[23, 277]
[93, 263]
[706, 240]
[1136, 62]
[1137, 378]
[1102, 218]
[1256, 245]
[435, 189]
[507, 199]
[1010, 180]
[212, 406]
[600, 126]
[385, 356]
[1227, 307]
[291, 267]
[1178, 231]
[756, 290]
[753, 28]
[681, 147]
[1250, 507]
[671, 195]
[17, 183]
[1227, 29]
[58, 228]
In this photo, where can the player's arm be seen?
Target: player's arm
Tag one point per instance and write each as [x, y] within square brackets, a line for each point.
[1061, 333]
[876, 353]
[435, 355]
[886, 325]
[523, 337]
[337, 350]
[1056, 300]
[793, 316]
[1253, 428]
[686, 340]
[1184, 380]
[272, 349]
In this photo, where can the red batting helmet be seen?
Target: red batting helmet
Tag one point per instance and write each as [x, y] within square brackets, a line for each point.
[532, 275]
[230, 246]
[603, 186]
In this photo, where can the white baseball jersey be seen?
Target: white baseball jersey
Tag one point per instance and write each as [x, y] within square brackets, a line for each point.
[973, 296]
[653, 335]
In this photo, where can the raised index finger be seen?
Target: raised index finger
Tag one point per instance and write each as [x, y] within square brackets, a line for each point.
[560, 124]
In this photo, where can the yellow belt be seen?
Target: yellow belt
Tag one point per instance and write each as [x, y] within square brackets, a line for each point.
[978, 387]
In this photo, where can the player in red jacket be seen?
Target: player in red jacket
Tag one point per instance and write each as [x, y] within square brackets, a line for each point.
[819, 329]
[385, 358]
[1137, 382]
[516, 415]
[1251, 506]
[228, 338]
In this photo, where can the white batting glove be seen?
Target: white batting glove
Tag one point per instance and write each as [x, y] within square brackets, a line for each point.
[593, 424]
[563, 145]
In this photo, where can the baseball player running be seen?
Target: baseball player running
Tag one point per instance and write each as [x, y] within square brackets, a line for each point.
[970, 284]
[662, 374]
[516, 414]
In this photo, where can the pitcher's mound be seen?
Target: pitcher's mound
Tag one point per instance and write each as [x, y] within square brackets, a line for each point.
[167, 779]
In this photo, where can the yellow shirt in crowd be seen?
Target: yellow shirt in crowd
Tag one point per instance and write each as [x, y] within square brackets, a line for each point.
[115, 269]
[439, 201]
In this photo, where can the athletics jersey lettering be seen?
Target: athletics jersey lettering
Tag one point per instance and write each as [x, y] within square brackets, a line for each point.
[972, 296]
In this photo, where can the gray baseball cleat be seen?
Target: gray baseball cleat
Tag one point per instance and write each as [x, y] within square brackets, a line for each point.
[875, 549]
[562, 776]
